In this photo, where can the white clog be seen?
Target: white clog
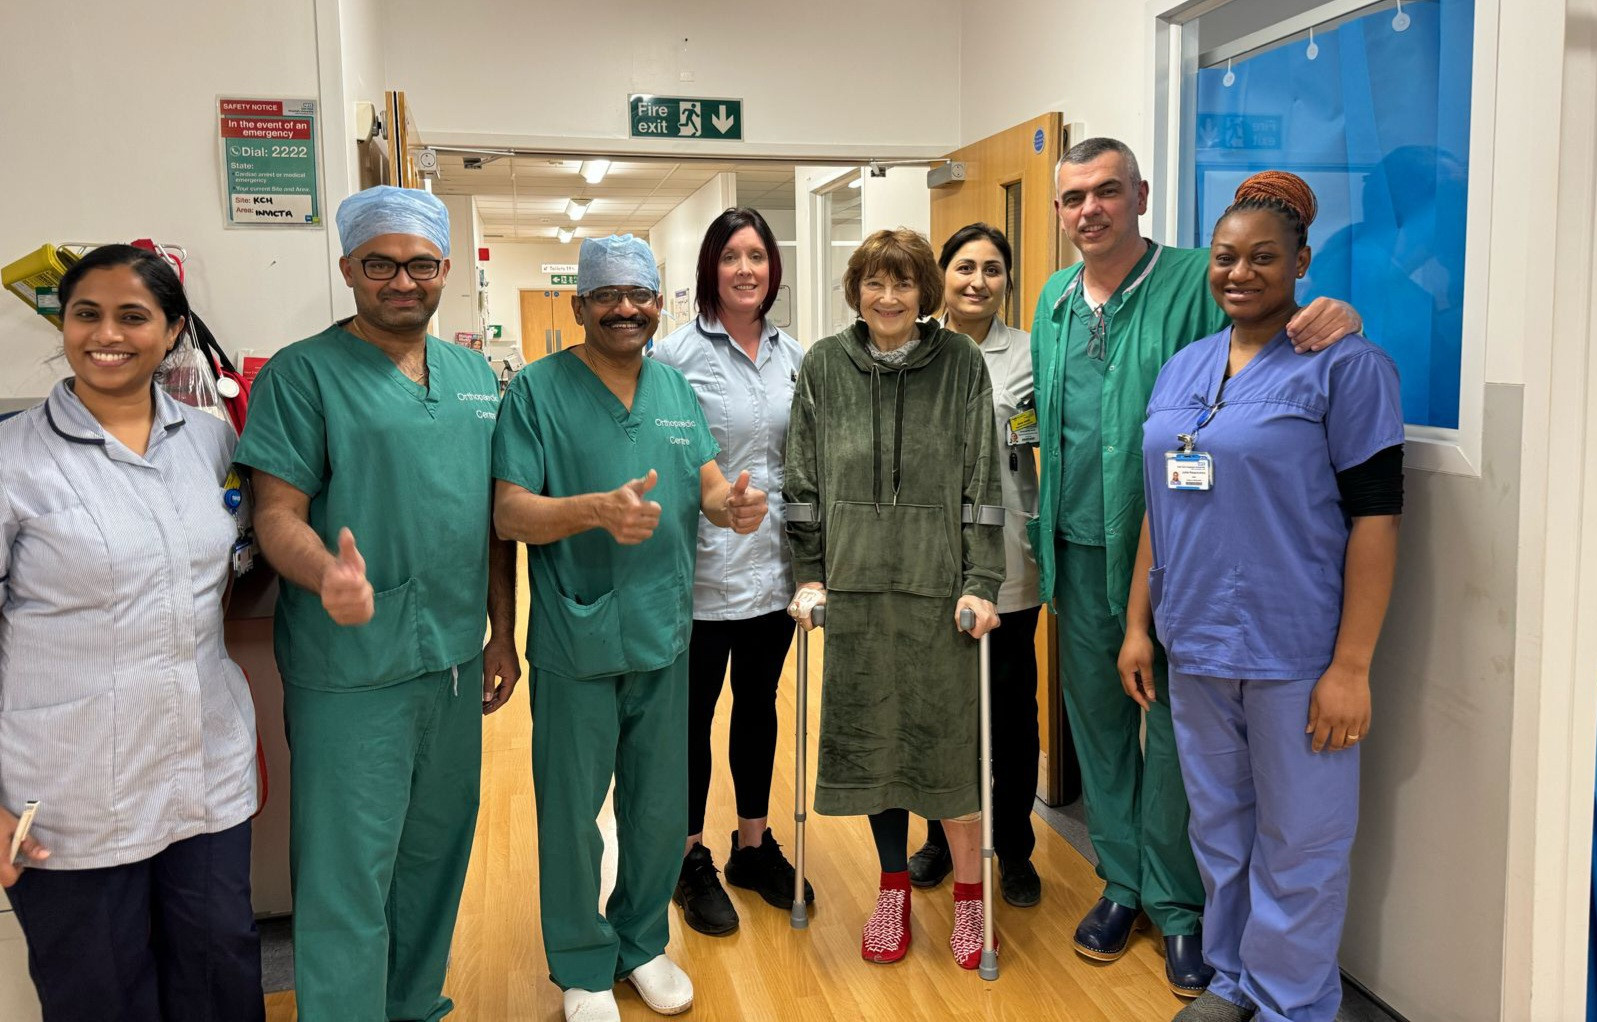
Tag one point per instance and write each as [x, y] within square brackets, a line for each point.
[592, 1006]
[663, 986]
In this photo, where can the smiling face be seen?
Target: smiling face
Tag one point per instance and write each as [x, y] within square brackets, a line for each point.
[888, 305]
[619, 331]
[1254, 264]
[400, 304]
[743, 276]
[1098, 205]
[115, 333]
[976, 282]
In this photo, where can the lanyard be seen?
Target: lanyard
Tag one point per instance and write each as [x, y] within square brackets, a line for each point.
[1210, 410]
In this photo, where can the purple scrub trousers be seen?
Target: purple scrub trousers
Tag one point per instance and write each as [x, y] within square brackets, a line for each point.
[1272, 826]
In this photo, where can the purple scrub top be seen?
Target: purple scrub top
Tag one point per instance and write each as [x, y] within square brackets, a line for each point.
[1247, 576]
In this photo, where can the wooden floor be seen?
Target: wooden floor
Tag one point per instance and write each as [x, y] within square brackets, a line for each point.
[766, 969]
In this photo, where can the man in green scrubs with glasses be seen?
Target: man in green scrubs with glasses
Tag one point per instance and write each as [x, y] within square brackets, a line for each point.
[604, 463]
[1102, 331]
[370, 445]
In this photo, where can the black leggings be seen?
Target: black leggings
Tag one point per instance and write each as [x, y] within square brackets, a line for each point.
[757, 647]
[890, 831]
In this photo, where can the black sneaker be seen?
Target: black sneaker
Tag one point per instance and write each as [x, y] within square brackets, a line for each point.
[930, 865]
[766, 871]
[1019, 883]
[703, 900]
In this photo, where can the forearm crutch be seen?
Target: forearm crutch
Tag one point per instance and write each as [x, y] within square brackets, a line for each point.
[988, 969]
[801, 918]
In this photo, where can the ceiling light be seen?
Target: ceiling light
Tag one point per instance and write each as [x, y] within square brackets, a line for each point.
[564, 234]
[857, 182]
[593, 171]
[576, 209]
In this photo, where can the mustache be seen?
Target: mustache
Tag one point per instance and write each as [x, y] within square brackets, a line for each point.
[614, 321]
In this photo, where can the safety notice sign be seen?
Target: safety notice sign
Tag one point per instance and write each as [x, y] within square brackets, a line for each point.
[269, 161]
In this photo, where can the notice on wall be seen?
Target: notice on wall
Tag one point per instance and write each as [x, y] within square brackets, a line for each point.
[268, 149]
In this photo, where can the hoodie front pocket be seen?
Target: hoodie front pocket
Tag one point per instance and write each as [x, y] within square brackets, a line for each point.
[890, 548]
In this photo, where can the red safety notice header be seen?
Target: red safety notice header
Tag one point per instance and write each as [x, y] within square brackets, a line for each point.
[295, 129]
[258, 107]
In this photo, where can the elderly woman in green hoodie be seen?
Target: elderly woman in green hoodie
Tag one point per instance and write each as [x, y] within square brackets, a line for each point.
[895, 521]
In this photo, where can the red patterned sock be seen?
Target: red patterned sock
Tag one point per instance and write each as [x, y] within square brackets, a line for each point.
[886, 937]
[966, 939]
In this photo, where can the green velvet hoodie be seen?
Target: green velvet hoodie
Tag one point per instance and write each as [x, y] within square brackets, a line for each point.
[887, 455]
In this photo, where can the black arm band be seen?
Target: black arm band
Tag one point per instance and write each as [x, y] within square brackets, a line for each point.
[1373, 487]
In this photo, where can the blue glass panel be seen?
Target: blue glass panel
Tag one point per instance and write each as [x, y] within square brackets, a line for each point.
[1378, 125]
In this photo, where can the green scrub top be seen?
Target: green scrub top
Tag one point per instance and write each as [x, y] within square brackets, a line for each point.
[1081, 416]
[599, 608]
[406, 469]
[1162, 306]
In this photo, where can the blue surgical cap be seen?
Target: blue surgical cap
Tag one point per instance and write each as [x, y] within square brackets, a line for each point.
[389, 210]
[620, 260]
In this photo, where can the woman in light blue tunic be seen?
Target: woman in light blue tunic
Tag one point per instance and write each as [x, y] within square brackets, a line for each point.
[742, 367]
[1274, 485]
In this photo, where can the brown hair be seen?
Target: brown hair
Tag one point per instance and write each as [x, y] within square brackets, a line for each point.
[1282, 193]
[902, 254]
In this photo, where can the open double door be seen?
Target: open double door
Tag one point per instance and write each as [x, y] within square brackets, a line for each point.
[1009, 183]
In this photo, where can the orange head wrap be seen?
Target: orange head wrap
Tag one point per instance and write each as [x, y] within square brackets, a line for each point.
[1287, 188]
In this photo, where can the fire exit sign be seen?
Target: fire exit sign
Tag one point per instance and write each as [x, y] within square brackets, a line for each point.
[686, 117]
[562, 280]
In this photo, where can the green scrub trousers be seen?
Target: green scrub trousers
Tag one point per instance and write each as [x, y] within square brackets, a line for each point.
[1136, 804]
[584, 729]
[384, 795]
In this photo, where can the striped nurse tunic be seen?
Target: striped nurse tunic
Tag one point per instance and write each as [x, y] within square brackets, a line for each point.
[119, 708]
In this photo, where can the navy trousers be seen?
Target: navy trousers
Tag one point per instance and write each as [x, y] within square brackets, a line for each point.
[169, 939]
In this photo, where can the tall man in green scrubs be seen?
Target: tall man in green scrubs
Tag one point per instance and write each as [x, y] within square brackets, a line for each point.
[604, 463]
[1102, 331]
[370, 445]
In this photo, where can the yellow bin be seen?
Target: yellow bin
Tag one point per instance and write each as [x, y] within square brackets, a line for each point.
[41, 268]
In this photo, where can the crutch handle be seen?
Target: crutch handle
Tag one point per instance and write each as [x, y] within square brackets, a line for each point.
[967, 618]
[818, 615]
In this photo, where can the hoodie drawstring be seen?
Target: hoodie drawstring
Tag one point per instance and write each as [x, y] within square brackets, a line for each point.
[876, 437]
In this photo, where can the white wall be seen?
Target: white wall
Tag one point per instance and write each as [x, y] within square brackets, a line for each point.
[677, 237]
[1086, 60]
[811, 75]
[514, 266]
[103, 149]
[457, 309]
[899, 199]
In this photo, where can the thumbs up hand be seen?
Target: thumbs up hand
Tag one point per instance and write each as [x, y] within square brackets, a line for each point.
[626, 516]
[745, 505]
[346, 595]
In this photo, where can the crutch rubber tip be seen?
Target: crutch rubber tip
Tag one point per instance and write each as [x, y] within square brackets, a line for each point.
[988, 969]
[800, 918]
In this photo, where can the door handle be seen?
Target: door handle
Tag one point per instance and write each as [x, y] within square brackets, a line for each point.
[559, 344]
[548, 345]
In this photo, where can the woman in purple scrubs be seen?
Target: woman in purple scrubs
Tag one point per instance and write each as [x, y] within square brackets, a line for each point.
[1274, 484]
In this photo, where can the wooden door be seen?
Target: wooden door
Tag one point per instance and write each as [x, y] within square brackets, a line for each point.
[548, 323]
[567, 331]
[1009, 183]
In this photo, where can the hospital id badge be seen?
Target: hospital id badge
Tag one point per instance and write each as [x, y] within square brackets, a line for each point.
[1023, 429]
[1188, 470]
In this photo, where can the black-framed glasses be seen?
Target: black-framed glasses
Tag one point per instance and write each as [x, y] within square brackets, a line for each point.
[609, 297]
[419, 268]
